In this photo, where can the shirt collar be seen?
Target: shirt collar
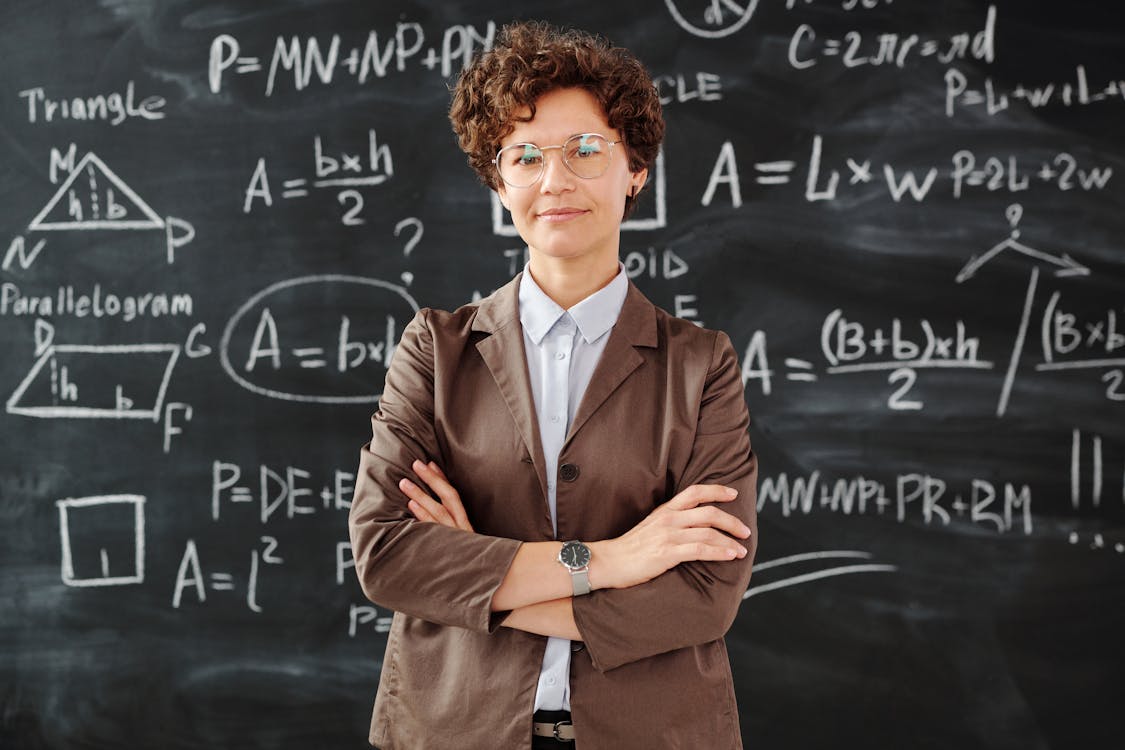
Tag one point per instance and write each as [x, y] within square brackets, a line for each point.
[594, 315]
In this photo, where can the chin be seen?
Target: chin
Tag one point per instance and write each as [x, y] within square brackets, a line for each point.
[558, 253]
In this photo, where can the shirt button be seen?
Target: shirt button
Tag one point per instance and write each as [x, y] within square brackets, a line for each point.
[568, 472]
[555, 418]
[551, 680]
[560, 355]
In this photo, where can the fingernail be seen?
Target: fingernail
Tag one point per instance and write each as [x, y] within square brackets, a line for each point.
[417, 465]
[732, 492]
[741, 551]
[432, 465]
[405, 483]
[745, 530]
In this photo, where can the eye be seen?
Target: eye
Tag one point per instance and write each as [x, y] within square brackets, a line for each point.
[527, 155]
[588, 145]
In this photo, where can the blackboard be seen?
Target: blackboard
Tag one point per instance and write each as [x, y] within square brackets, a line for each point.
[216, 218]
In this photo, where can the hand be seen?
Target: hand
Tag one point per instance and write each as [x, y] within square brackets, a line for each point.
[680, 530]
[449, 511]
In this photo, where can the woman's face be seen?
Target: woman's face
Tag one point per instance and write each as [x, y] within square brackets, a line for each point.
[564, 216]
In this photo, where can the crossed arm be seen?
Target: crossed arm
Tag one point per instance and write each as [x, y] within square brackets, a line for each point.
[680, 554]
[537, 589]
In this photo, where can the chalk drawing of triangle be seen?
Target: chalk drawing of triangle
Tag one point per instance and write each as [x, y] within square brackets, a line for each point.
[101, 201]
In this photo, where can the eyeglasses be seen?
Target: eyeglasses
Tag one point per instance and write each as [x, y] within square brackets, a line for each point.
[586, 155]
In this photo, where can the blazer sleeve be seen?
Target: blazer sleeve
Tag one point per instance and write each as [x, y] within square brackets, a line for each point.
[427, 570]
[694, 602]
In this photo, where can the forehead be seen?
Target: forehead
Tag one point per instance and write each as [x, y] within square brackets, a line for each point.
[560, 114]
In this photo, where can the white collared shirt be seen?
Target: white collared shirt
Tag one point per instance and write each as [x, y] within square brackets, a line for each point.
[563, 348]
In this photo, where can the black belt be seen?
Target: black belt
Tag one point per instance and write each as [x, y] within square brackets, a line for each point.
[554, 724]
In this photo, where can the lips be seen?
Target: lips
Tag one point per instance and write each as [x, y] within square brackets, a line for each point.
[559, 215]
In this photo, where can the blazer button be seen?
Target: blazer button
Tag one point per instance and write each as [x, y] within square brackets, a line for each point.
[576, 646]
[568, 472]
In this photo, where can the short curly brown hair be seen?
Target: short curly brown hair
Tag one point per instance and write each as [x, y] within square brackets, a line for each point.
[532, 58]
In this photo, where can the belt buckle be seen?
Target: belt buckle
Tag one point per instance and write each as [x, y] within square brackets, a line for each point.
[558, 724]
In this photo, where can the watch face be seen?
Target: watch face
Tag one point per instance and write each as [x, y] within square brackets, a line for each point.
[575, 555]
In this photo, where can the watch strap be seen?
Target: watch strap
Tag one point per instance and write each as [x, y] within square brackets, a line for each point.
[581, 581]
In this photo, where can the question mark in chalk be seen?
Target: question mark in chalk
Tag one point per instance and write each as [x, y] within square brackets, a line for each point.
[407, 276]
[1014, 213]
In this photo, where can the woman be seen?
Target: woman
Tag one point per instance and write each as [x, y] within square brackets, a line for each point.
[571, 579]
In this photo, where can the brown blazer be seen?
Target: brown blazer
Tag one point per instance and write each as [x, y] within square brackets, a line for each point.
[664, 410]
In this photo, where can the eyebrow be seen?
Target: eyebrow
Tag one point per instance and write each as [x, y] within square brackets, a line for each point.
[567, 138]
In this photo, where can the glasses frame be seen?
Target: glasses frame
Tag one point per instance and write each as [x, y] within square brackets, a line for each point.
[543, 165]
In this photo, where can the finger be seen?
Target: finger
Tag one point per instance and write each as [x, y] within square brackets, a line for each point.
[431, 506]
[698, 494]
[420, 512]
[704, 552]
[714, 517]
[711, 538]
[435, 478]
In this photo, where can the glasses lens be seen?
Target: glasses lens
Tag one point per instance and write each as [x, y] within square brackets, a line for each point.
[587, 155]
[520, 165]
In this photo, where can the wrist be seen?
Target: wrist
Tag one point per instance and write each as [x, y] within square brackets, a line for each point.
[601, 565]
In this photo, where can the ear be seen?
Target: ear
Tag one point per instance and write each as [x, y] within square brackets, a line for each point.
[637, 181]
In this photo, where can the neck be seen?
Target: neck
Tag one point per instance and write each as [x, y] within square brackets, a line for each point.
[569, 281]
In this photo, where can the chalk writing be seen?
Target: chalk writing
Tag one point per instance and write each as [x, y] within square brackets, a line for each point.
[1064, 266]
[855, 49]
[364, 614]
[906, 216]
[993, 100]
[95, 302]
[279, 489]
[190, 578]
[759, 587]
[1063, 334]
[912, 496]
[1005, 173]
[1099, 469]
[680, 88]
[114, 108]
[844, 4]
[96, 561]
[330, 345]
[310, 60]
[710, 19]
[343, 171]
[93, 197]
[125, 381]
[1097, 542]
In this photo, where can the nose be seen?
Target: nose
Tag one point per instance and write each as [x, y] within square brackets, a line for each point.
[557, 178]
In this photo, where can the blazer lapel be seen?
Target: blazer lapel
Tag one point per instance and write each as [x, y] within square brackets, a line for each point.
[635, 326]
[503, 353]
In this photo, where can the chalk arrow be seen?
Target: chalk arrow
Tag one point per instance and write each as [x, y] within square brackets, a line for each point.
[1071, 267]
[1067, 266]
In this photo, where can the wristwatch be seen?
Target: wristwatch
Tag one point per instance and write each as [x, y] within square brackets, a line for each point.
[575, 557]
